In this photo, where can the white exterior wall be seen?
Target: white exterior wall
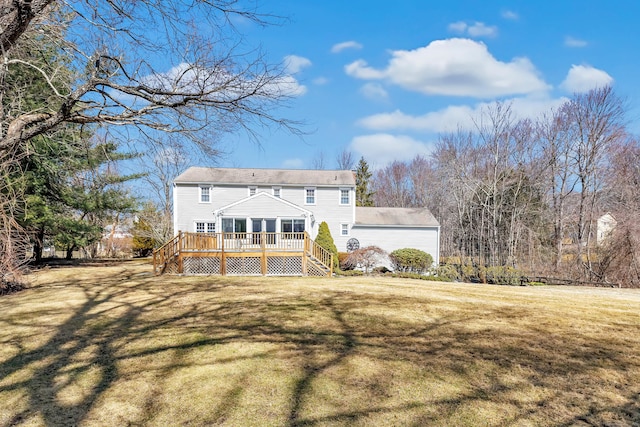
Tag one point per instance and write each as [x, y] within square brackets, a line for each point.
[188, 209]
[329, 209]
[391, 238]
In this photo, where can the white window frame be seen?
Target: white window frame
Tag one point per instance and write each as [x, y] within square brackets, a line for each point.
[345, 229]
[277, 192]
[202, 193]
[253, 190]
[207, 226]
[306, 195]
[340, 201]
[294, 222]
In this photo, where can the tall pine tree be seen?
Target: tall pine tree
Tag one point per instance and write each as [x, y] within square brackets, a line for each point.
[364, 197]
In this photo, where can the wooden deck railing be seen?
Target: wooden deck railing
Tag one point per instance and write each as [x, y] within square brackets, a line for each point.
[166, 253]
[185, 243]
[319, 253]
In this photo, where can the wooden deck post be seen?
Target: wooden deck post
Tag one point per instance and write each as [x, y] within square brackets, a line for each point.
[155, 265]
[263, 259]
[305, 247]
[223, 258]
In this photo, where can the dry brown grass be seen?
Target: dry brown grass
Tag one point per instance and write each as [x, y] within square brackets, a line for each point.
[117, 346]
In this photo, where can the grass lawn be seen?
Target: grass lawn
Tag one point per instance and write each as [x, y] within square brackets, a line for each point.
[117, 346]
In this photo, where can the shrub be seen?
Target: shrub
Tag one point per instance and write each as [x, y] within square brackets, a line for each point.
[502, 275]
[343, 261]
[325, 240]
[419, 277]
[349, 273]
[410, 260]
[447, 273]
[367, 257]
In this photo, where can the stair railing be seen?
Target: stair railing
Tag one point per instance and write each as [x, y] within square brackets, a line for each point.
[319, 253]
[166, 253]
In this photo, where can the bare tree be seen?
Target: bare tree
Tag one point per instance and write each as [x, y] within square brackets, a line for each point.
[367, 257]
[319, 161]
[204, 84]
[392, 186]
[620, 248]
[345, 160]
[597, 119]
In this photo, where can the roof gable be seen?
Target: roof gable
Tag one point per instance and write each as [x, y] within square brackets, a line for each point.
[262, 204]
[300, 177]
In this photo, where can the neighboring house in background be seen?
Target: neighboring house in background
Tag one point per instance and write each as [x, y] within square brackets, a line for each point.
[605, 225]
[231, 200]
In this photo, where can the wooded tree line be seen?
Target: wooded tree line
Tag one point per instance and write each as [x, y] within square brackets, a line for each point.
[528, 193]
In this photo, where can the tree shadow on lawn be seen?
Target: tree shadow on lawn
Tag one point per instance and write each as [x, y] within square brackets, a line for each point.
[322, 336]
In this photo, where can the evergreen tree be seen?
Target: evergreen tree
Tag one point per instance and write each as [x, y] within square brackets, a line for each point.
[364, 197]
[325, 240]
[93, 195]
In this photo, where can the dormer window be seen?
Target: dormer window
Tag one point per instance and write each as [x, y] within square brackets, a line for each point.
[252, 191]
[276, 192]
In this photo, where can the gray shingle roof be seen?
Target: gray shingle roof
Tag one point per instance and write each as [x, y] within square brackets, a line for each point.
[200, 175]
[416, 217]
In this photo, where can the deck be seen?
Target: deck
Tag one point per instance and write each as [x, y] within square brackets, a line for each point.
[244, 254]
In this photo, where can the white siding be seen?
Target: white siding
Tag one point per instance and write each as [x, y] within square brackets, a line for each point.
[392, 238]
[188, 209]
[263, 207]
[327, 208]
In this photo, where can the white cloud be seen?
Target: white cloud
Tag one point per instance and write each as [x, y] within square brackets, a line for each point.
[293, 164]
[288, 85]
[478, 29]
[320, 81]
[294, 63]
[510, 15]
[285, 86]
[582, 78]
[458, 27]
[382, 148]
[351, 44]
[374, 91]
[573, 42]
[361, 70]
[457, 67]
[456, 116]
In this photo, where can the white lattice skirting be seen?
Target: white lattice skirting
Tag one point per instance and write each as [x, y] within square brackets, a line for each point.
[201, 265]
[284, 266]
[246, 266]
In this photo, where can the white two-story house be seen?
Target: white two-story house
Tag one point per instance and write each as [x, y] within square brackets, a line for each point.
[232, 200]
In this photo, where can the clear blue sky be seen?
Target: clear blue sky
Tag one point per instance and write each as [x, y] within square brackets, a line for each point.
[382, 79]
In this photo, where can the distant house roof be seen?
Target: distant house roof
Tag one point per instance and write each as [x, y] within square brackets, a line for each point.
[200, 175]
[411, 217]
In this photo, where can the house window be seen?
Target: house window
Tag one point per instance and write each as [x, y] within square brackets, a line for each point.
[205, 227]
[252, 191]
[344, 196]
[344, 229]
[292, 226]
[276, 192]
[234, 225]
[205, 194]
[310, 196]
